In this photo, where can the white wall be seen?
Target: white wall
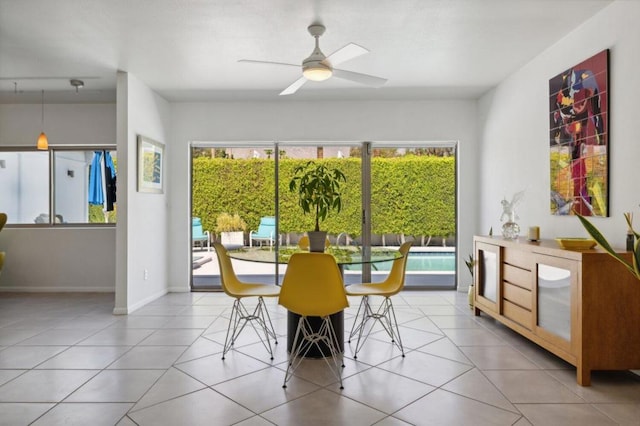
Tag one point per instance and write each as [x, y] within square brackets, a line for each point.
[34, 259]
[317, 121]
[514, 128]
[64, 124]
[58, 260]
[142, 232]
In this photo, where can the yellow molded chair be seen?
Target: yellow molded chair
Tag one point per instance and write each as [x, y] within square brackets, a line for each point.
[385, 313]
[240, 316]
[303, 242]
[313, 287]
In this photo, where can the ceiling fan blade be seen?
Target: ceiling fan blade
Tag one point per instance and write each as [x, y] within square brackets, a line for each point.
[346, 53]
[251, 61]
[294, 87]
[368, 80]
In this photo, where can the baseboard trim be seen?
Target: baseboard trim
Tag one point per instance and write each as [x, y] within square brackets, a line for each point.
[23, 289]
[178, 290]
[130, 309]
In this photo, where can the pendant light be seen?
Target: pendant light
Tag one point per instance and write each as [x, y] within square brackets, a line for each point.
[43, 143]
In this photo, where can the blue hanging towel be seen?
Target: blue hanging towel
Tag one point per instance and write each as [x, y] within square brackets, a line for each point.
[96, 194]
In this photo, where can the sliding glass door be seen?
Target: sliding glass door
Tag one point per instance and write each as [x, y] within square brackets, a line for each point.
[393, 192]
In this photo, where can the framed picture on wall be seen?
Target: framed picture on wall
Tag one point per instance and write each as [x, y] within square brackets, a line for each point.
[579, 138]
[150, 165]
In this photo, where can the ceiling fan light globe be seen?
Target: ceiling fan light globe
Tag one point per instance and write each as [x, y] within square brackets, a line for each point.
[317, 73]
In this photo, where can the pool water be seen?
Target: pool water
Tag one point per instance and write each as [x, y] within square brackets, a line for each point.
[418, 262]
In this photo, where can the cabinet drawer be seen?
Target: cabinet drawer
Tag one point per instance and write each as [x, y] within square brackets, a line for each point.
[517, 314]
[517, 295]
[517, 276]
[517, 258]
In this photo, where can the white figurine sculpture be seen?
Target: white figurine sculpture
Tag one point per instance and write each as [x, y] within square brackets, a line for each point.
[510, 229]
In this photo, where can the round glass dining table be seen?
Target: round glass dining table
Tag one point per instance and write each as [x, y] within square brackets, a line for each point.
[347, 255]
[344, 256]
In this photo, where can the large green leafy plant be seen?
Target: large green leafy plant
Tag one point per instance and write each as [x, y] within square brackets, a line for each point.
[602, 241]
[318, 189]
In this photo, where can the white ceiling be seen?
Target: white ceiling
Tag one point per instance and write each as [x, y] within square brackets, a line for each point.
[189, 49]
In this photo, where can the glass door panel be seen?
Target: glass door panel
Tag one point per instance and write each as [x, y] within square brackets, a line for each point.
[232, 192]
[413, 189]
[343, 228]
[554, 300]
[489, 276]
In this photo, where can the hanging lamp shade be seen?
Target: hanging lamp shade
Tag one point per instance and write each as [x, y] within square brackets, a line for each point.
[43, 143]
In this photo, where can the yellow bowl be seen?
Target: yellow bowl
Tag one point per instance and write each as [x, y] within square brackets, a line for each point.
[576, 243]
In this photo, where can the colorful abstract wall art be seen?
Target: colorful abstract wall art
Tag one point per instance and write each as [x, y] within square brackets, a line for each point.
[579, 139]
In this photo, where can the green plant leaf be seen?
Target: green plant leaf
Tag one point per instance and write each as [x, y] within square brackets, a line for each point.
[636, 258]
[602, 242]
[627, 217]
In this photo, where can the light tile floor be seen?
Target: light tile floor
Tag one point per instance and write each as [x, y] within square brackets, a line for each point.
[65, 359]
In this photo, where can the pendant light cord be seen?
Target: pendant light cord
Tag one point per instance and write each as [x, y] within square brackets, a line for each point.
[43, 110]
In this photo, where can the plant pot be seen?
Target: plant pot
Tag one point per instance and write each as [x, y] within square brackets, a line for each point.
[317, 241]
[232, 238]
[470, 295]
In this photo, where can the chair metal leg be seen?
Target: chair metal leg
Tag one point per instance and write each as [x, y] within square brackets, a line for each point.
[392, 322]
[305, 338]
[355, 328]
[367, 314]
[266, 319]
[232, 328]
[240, 317]
[386, 315]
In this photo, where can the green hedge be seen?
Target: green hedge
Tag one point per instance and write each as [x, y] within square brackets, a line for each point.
[411, 195]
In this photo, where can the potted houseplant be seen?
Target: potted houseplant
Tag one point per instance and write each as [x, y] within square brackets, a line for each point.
[318, 189]
[231, 228]
[471, 263]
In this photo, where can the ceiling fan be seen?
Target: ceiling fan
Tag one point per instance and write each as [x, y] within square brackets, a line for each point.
[318, 67]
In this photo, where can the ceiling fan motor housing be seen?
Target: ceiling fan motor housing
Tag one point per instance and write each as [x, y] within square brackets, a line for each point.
[316, 67]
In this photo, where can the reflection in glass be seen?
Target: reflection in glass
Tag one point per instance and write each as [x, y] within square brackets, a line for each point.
[554, 298]
[489, 275]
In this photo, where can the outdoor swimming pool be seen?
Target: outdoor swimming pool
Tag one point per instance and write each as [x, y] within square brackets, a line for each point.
[428, 267]
[419, 261]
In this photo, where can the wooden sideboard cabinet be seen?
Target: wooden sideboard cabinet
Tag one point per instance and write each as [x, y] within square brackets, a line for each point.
[583, 306]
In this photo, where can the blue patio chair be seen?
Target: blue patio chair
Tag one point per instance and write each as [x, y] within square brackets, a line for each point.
[198, 235]
[266, 232]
